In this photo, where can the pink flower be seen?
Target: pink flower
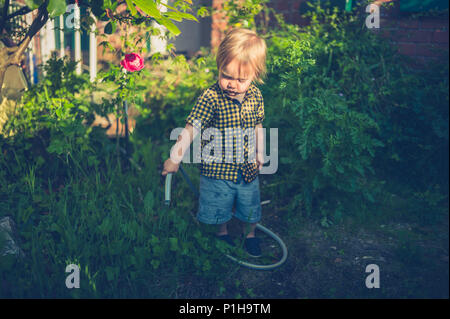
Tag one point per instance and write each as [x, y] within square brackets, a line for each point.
[132, 62]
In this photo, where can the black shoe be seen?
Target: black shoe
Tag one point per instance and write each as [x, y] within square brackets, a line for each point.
[252, 246]
[226, 238]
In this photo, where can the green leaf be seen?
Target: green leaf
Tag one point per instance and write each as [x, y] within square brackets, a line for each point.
[148, 202]
[149, 7]
[155, 263]
[169, 25]
[7, 262]
[202, 12]
[173, 16]
[112, 273]
[105, 227]
[96, 8]
[92, 160]
[56, 146]
[188, 16]
[56, 8]
[370, 197]
[83, 108]
[173, 242]
[179, 16]
[286, 160]
[33, 4]
[131, 7]
[110, 27]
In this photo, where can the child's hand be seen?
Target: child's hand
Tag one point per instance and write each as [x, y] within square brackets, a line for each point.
[259, 160]
[169, 167]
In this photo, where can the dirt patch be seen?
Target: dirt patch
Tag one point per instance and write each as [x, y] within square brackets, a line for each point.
[331, 263]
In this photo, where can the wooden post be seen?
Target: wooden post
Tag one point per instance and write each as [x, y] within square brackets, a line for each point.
[93, 50]
[77, 39]
[31, 49]
[47, 35]
[159, 43]
[62, 49]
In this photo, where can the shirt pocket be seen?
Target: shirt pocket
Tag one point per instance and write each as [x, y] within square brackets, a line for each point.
[250, 117]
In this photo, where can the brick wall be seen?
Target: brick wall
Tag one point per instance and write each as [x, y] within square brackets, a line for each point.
[218, 25]
[422, 38]
[291, 10]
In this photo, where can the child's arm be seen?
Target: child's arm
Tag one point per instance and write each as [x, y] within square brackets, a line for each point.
[184, 141]
[200, 116]
[259, 134]
[259, 146]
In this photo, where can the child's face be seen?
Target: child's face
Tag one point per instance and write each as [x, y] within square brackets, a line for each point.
[235, 78]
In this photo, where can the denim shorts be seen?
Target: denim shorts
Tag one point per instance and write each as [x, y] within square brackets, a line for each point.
[218, 196]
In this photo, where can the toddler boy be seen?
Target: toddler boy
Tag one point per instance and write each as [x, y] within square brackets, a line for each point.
[233, 108]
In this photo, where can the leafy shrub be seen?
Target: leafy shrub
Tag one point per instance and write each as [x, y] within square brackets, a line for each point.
[350, 104]
[51, 125]
[53, 102]
[326, 148]
[410, 106]
[112, 224]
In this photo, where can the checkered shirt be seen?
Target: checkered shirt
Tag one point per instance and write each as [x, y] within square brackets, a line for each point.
[214, 111]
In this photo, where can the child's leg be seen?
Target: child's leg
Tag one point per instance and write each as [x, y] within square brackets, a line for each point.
[248, 206]
[251, 243]
[215, 203]
[222, 229]
[249, 230]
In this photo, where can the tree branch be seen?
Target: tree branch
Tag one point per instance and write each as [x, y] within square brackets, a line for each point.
[21, 11]
[4, 15]
[38, 23]
[5, 10]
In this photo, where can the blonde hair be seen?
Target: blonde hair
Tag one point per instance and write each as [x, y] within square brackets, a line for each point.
[245, 46]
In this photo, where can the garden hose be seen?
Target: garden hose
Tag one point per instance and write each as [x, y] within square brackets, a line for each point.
[167, 189]
[167, 193]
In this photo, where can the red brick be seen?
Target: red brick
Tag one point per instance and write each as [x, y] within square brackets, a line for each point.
[385, 33]
[282, 5]
[423, 36]
[419, 62]
[440, 36]
[217, 16]
[296, 4]
[442, 46]
[429, 50]
[407, 48]
[387, 23]
[389, 10]
[440, 24]
[409, 35]
[296, 18]
[408, 23]
[219, 25]
[217, 4]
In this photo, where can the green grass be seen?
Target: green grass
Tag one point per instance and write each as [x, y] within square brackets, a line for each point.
[113, 224]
